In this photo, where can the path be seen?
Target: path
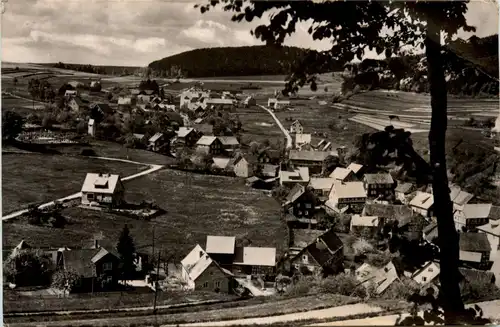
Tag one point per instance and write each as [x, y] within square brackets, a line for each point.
[152, 169]
[23, 98]
[490, 310]
[283, 129]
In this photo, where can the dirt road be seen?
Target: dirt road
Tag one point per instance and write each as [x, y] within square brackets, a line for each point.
[283, 129]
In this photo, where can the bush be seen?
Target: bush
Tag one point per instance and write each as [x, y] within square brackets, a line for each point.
[379, 259]
[343, 284]
[27, 268]
[401, 289]
[361, 247]
[65, 280]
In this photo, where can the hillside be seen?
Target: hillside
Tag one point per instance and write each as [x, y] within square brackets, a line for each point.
[235, 61]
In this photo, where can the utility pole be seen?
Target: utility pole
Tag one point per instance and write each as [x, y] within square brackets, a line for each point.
[156, 282]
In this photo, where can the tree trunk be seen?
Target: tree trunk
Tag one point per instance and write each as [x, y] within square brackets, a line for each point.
[447, 235]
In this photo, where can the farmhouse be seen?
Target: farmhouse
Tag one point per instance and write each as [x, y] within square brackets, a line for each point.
[221, 249]
[92, 265]
[300, 202]
[365, 226]
[423, 203]
[343, 175]
[102, 189]
[278, 104]
[296, 176]
[156, 142]
[459, 198]
[250, 260]
[472, 215]
[379, 185]
[312, 159]
[324, 253]
[76, 104]
[427, 274]
[209, 145]
[229, 143]
[296, 127]
[347, 196]
[187, 136]
[300, 140]
[381, 278]
[240, 166]
[200, 272]
[474, 249]
[321, 186]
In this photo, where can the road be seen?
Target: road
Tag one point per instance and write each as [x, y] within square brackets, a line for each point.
[283, 129]
[152, 169]
[490, 310]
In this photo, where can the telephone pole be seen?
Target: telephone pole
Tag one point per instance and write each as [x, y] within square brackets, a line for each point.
[156, 282]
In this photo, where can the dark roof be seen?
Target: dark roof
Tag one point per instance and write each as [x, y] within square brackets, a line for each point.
[495, 213]
[303, 237]
[103, 106]
[273, 154]
[174, 116]
[474, 242]
[402, 213]
[206, 129]
[384, 178]
[332, 240]
[80, 261]
[477, 275]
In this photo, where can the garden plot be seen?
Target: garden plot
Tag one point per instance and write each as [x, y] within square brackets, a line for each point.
[381, 124]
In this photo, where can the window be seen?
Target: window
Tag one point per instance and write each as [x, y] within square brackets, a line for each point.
[90, 196]
[299, 213]
[308, 206]
[107, 266]
[205, 285]
[298, 205]
[305, 258]
[430, 270]
[217, 284]
[306, 212]
[109, 279]
[424, 279]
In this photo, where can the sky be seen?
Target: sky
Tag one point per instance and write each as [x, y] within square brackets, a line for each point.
[136, 32]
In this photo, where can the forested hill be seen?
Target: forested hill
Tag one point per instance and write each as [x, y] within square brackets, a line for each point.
[235, 61]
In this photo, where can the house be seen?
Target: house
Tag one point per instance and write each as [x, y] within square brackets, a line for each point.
[472, 215]
[300, 140]
[281, 104]
[347, 196]
[296, 176]
[300, 202]
[367, 227]
[430, 232]
[380, 278]
[403, 191]
[126, 101]
[321, 186]
[144, 98]
[205, 129]
[423, 203]
[93, 265]
[139, 137]
[200, 272]
[343, 175]
[357, 169]
[76, 104]
[249, 102]
[492, 231]
[474, 249]
[70, 93]
[379, 185]
[324, 254]
[427, 274]
[251, 260]
[312, 159]
[269, 170]
[209, 145]
[459, 198]
[268, 156]
[156, 142]
[189, 94]
[219, 103]
[221, 249]
[240, 166]
[271, 102]
[187, 136]
[23, 245]
[221, 162]
[101, 109]
[296, 128]
[91, 127]
[299, 239]
[102, 190]
[229, 143]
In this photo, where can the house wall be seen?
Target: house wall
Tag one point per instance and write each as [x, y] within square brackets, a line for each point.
[250, 270]
[303, 207]
[242, 169]
[305, 259]
[423, 212]
[375, 190]
[110, 275]
[212, 279]
[494, 243]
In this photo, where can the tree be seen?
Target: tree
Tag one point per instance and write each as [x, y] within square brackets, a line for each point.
[353, 27]
[12, 125]
[126, 249]
[27, 268]
[65, 280]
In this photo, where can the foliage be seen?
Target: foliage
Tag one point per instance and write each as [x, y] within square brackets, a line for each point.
[330, 163]
[280, 193]
[343, 284]
[81, 127]
[378, 259]
[12, 124]
[27, 268]
[149, 85]
[126, 249]
[82, 68]
[362, 247]
[66, 280]
[401, 289]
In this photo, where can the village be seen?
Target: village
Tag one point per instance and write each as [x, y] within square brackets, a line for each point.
[342, 218]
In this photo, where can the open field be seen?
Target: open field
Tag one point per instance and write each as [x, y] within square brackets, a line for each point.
[196, 205]
[34, 178]
[258, 125]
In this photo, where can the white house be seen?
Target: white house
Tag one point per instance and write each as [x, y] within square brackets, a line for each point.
[492, 231]
[350, 195]
[428, 273]
[102, 189]
[423, 203]
[296, 127]
[343, 175]
[472, 215]
[299, 175]
[91, 127]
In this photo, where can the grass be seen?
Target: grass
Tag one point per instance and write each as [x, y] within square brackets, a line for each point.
[33, 178]
[252, 120]
[196, 205]
[238, 310]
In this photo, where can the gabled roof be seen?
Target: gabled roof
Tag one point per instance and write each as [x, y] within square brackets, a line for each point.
[206, 140]
[422, 200]
[404, 188]
[21, 246]
[272, 154]
[184, 131]
[102, 253]
[80, 261]
[221, 162]
[355, 167]
[318, 183]
[318, 156]
[349, 190]
[474, 242]
[206, 129]
[478, 210]
[303, 138]
[325, 247]
[104, 107]
[430, 231]
[340, 173]
[460, 197]
[155, 137]
[493, 228]
[192, 258]
[303, 237]
[228, 140]
[475, 275]
[383, 277]
[220, 244]
[385, 178]
[255, 256]
[138, 136]
[220, 101]
[301, 174]
[295, 193]
[402, 213]
[431, 269]
[368, 221]
[125, 100]
[200, 266]
[296, 122]
[100, 183]
[269, 170]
